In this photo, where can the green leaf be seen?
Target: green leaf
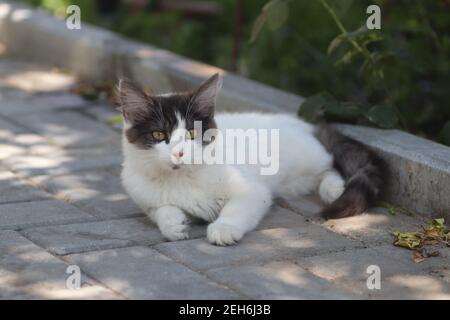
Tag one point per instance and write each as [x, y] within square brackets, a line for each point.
[90, 93]
[371, 37]
[343, 5]
[277, 13]
[409, 240]
[362, 35]
[335, 43]
[373, 69]
[344, 110]
[257, 26]
[347, 57]
[436, 229]
[383, 115]
[313, 107]
[358, 33]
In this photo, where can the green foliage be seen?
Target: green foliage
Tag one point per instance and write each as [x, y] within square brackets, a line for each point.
[396, 77]
[52, 5]
[383, 115]
[324, 105]
[385, 78]
[275, 13]
[58, 7]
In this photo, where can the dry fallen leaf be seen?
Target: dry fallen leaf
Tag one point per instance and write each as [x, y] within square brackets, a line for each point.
[433, 234]
[434, 254]
[408, 240]
[430, 242]
[436, 229]
[418, 257]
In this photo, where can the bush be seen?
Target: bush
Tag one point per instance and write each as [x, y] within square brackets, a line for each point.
[399, 78]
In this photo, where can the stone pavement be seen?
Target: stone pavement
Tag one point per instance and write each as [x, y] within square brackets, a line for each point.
[61, 204]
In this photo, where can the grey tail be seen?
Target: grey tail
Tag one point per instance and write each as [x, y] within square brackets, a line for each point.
[363, 171]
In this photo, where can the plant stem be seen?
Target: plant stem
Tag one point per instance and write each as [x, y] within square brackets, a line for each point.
[364, 51]
[344, 30]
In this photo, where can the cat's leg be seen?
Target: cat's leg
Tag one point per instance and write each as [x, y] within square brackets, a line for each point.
[241, 214]
[332, 186]
[171, 221]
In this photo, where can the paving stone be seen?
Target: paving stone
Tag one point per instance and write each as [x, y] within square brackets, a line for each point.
[293, 254]
[258, 245]
[82, 237]
[143, 273]
[33, 78]
[406, 256]
[89, 290]
[349, 270]
[16, 140]
[8, 93]
[279, 217]
[103, 113]
[101, 235]
[38, 104]
[13, 66]
[374, 227]
[308, 206]
[97, 192]
[442, 273]
[29, 272]
[277, 280]
[415, 286]
[37, 213]
[69, 129]
[50, 161]
[14, 190]
[20, 143]
[8, 129]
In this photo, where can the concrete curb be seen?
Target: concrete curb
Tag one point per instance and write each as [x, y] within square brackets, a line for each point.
[420, 169]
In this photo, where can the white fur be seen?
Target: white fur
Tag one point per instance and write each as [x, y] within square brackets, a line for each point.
[233, 199]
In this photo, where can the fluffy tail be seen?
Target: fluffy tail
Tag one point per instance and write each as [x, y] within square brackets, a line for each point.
[363, 171]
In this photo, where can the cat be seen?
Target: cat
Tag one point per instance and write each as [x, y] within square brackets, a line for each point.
[159, 176]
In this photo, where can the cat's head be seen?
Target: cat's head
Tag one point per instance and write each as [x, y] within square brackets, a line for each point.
[159, 129]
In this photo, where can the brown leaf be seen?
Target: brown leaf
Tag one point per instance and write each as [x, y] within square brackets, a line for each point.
[430, 242]
[433, 234]
[434, 254]
[436, 229]
[418, 258]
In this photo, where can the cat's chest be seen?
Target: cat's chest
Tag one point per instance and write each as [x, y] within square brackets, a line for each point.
[200, 200]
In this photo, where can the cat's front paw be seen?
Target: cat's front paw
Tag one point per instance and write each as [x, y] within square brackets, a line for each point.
[223, 234]
[175, 230]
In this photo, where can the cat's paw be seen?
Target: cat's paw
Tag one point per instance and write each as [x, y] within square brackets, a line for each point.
[175, 229]
[331, 187]
[223, 234]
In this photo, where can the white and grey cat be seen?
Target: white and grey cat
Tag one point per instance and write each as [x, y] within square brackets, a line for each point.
[233, 198]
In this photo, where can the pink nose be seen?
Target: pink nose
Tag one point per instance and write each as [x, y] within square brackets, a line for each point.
[178, 155]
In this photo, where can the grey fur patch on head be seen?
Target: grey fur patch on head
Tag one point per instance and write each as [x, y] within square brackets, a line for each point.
[148, 113]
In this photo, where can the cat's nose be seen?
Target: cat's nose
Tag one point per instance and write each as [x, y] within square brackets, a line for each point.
[178, 154]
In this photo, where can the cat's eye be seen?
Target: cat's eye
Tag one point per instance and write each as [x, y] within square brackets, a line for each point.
[158, 135]
[191, 134]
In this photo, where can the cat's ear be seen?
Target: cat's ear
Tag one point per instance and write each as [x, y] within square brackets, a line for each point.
[205, 96]
[133, 101]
